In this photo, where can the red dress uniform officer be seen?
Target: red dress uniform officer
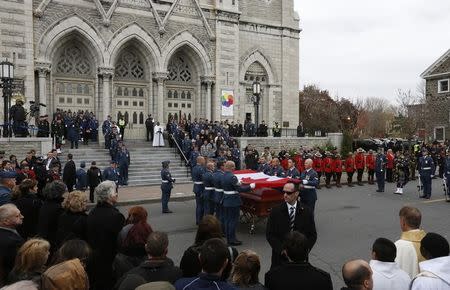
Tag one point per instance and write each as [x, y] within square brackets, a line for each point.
[359, 164]
[318, 166]
[389, 165]
[299, 162]
[350, 168]
[328, 168]
[337, 169]
[370, 164]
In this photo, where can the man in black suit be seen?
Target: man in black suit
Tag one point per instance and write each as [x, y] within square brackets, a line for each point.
[308, 277]
[69, 173]
[287, 217]
[10, 240]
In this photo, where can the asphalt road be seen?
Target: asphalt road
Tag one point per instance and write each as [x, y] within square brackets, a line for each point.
[348, 221]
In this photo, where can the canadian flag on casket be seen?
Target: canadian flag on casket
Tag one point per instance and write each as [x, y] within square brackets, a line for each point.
[260, 179]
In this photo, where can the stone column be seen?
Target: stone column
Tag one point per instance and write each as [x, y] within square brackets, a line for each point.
[208, 81]
[106, 73]
[43, 70]
[160, 78]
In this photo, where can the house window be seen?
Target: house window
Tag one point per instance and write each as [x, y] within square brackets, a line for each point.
[439, 133]
[443, 86]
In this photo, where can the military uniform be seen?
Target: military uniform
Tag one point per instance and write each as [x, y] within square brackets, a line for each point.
[318, 167]
[292, 173]
[401, 173]
[359, 165]
[218, 194]
[308, 194]
[232, 205]
[370, 164]
[275, 171]
[197, 175]
[43, 128]
[426, 170]
[350, 169]
[166, 186]
[337, 169]
[112, 174]
[328, 169]
[208, 183]
[447, 174]
[123, 159]
[380, 169]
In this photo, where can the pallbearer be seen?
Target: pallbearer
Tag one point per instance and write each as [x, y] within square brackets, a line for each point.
[218, 192]
[197, 178]
[208, 193]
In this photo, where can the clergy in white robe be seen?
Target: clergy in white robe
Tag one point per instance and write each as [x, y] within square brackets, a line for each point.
[158, 138]
[435, 271]
[387, 274]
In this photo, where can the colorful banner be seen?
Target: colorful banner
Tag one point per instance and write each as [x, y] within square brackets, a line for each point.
[227, 101]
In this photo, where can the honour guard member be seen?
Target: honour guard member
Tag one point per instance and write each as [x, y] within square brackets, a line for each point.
[350, 168]
[359, 165]
[298, 160]
[124, 161]
[208, 192]
[447, 175]
[292, 172]
[232, 202]
[317, 166]
[426, 170]
[197, 175]
[380, 169]
[370, 164]
[166, 186]
[401, 173]
[310, 179]
[112, 173]
[337, 169]
[275, 168]
[328, 169]
[389, 165]
[218, 191]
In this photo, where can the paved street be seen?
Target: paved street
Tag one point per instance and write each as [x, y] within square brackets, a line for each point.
[348, 221]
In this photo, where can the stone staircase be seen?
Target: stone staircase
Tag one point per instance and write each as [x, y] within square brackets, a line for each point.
[145, 164]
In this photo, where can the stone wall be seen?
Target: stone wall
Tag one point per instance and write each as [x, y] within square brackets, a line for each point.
[20, 146]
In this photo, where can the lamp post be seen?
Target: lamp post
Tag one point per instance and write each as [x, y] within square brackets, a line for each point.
[256, 98]
[6, 76]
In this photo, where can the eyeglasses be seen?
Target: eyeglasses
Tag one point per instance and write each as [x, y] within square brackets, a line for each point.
[289, 192]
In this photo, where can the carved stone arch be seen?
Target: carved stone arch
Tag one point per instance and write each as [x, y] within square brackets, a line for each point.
[257, 56]
[52, 39]
[134, 32]
[187, 39]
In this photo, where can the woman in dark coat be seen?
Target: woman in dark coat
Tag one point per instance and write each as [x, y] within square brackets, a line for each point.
[103, 226]
[50, 212]
[26, 199]
[72, 222]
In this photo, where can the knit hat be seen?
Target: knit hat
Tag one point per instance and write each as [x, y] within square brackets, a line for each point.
[435, 244]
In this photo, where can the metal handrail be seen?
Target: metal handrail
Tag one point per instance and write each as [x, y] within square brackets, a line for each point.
[179, 149]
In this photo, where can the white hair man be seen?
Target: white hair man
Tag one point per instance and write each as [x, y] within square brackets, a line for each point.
[10, 240]
[103, 226]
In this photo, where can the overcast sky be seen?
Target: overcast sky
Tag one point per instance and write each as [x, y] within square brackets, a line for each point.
[361, 48]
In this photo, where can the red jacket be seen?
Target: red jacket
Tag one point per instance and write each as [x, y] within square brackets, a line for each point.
[359, 161]
[299, 163]
[337, 165]
[349, 164]
[284, 163]
[390, 160]
[370, 162]
[318, 164]
[328, 165]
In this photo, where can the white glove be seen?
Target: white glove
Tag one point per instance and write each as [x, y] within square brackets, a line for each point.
[252, 185]
[432, 176]
[305, 181]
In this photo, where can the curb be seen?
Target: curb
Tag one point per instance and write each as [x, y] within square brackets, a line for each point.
[175, 198]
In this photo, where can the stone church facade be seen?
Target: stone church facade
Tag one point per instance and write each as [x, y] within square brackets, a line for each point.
[159, 57]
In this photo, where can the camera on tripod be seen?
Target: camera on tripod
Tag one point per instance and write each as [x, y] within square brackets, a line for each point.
[34, 108]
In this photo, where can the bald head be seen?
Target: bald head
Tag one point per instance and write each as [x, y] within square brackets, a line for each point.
[308, 163]
[229, 166]
[357, 274]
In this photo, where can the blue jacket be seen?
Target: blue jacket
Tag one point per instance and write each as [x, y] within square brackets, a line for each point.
[426, 166]
[276, 171]
[230, 184]
[5, 195]
[217, 180]
[166, 179]
[308, 192]
[111, 174]
[204, 282]
[292, 173]
[123, 158]
[197, 173]
[380, 163]
[208, 182]
[81, 179]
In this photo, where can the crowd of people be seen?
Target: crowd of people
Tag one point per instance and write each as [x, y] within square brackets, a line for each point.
[53, 242]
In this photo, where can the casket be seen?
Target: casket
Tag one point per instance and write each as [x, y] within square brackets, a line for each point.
[260, 201]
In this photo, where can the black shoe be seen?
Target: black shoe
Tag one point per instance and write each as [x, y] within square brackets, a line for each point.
[379, 190]
[235, 243]
[167, 211]
[422, 196]
[428, 197]
[397, 193]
